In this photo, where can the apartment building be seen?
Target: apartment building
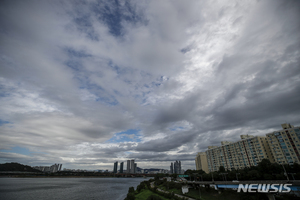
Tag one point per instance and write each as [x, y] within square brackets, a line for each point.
[201, 162]
[285, 144]
[247, 152]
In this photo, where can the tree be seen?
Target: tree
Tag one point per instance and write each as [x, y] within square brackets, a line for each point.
[222, 169]
[141, 186]
[131, 190]
[130, 196]
[264, 166]
[253, 175]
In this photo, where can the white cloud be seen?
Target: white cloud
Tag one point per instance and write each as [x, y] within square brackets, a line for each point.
[184, 73]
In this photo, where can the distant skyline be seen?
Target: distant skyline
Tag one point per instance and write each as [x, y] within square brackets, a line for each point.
[89, 83]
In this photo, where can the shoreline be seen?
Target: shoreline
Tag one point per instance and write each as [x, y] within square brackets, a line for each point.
[65, 177]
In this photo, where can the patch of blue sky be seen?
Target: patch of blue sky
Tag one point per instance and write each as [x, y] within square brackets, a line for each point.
[82, 76]
[84, 24]
[18, 150]
[108, 101]
[85, 83]
[116, 68]
[101, 94]
[128, 81]
[5, 91]
[145, 74]
[122, 71]
[75, 53]
[4, 94]
[177, 128]
[146, 85]
[142, 97]
[130, 135]
[116, 92]
[185, 50]
[144, 94]
[144, 102]
[159, 81]
[74, 64]
[156, 84]
[112, 13]
[2, 122]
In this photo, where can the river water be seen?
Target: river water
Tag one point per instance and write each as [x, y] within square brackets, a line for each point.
[66, 188]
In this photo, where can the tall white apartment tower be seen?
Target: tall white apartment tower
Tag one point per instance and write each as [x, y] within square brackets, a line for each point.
[285, 144]
[132, 167]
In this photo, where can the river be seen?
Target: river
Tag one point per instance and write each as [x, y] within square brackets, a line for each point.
[66, 188]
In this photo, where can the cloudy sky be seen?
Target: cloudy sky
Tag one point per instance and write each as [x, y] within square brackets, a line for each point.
[87, 83]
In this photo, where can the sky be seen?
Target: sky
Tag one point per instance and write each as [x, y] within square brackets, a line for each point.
[88, 83]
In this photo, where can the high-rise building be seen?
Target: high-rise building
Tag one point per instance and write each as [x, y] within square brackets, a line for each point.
[116, 167]
[201, 162]
[135, 168]
[171, 168]
[132, 166]
[121, 167]
[285, 144]
[177, 167]
[282, 146]
[53, 168]
[128, 167]
[237, 155]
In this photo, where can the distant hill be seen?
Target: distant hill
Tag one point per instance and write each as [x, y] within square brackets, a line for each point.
[17, 167]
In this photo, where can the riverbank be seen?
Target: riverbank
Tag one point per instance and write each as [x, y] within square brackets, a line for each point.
[32, 176]
[147, 191]
[160, 189]
[67, 174]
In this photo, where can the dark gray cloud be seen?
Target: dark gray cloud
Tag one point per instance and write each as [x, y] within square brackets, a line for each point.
[75, 76]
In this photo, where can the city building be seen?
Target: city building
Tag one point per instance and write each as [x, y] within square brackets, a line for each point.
[247, 152]
[115, 167]
[128, 167]
[53, 168]
[135, 168]
[121, 167]
[177, 167]
[201, 162]
[285, 144]
[171, 168]
[132, 167]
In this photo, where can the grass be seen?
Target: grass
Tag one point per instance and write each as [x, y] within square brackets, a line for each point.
[176, 191]
[209, 194]
[205, 195]
[145, 193]
[225, 195]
